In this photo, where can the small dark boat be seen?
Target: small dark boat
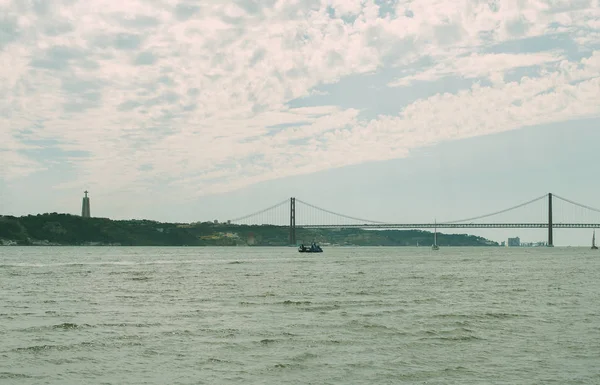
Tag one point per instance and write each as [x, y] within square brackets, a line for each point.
[314, 248]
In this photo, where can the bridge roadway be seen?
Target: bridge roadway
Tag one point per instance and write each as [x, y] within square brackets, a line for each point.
[458, 226]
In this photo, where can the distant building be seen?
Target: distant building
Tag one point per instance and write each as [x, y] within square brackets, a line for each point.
[514, 242]
[85, 206]
[503, 244]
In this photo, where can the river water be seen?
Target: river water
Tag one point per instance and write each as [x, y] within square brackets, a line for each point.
[104, 315]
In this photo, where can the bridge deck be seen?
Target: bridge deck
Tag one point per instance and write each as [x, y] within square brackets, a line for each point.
[459, 226]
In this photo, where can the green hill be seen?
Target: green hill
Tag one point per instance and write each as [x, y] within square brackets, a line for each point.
[66, 229]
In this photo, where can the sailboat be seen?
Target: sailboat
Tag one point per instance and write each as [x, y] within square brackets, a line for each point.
[594, 247]
[435, 245]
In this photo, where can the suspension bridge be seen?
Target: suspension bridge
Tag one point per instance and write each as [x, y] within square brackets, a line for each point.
[548, 211]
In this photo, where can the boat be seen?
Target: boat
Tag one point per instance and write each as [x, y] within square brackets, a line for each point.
[594, 247]
[435, 245]
[314, 248]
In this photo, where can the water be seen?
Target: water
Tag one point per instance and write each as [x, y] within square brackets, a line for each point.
[271, 315]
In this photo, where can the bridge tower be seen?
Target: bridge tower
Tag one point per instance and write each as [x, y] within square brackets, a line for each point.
[293, 221]
[550, 240]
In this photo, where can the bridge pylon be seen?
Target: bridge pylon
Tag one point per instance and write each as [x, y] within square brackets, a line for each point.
[293, 221]
[550, 237]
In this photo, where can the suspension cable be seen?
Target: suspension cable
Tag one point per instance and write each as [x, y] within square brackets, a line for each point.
[576, 204]
[260, 211]
[380, 222]
[497, 212]
[337, 214]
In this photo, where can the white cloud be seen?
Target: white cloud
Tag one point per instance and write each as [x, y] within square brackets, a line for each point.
[159, 93]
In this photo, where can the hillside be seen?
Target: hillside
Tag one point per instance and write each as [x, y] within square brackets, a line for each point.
[66, 229]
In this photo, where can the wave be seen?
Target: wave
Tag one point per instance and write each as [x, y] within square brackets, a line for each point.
[9, 375]
[289, 302]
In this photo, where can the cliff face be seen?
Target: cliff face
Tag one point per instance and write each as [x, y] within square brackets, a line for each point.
[65, 229]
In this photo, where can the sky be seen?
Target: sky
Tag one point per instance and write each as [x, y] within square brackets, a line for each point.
[391, 110]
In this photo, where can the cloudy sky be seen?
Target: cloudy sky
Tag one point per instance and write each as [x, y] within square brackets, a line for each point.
[188, 110]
